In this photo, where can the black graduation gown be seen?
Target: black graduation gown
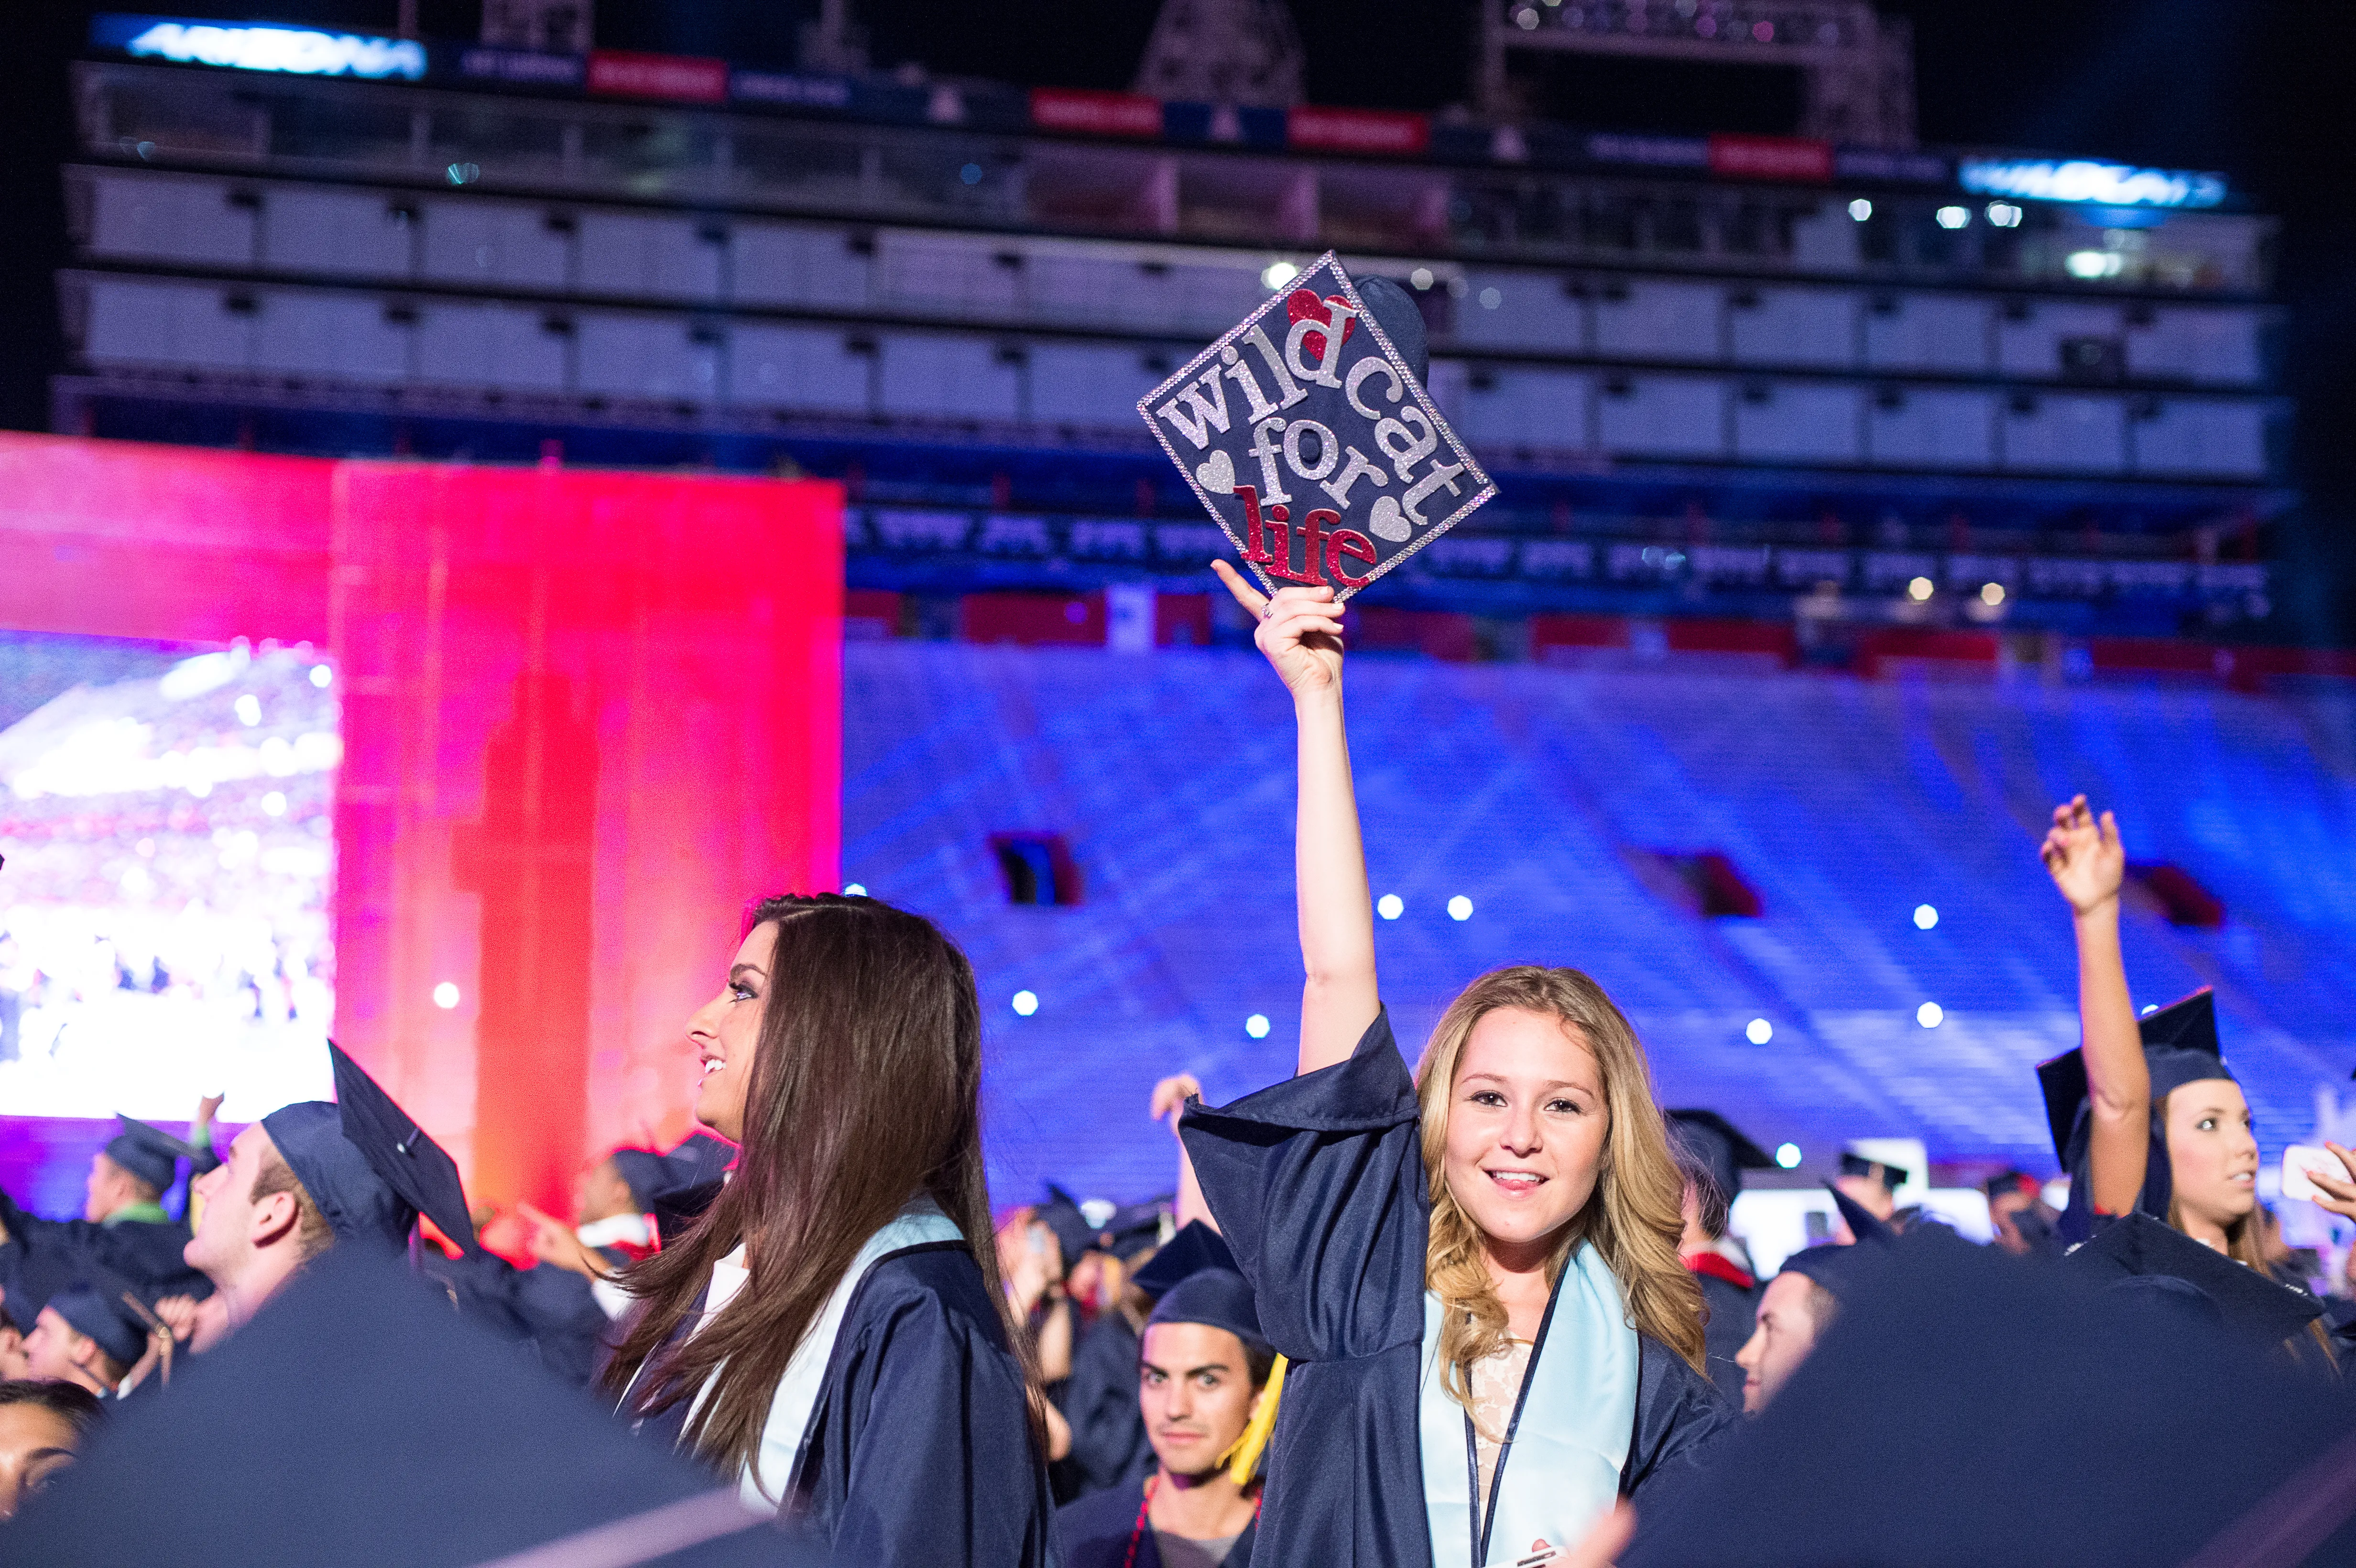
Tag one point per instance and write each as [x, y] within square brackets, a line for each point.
[1094, 1532]
[1109, 1442]
[42, 1257]
[919, 1450]
[1733, 1318]
[1319, 1187]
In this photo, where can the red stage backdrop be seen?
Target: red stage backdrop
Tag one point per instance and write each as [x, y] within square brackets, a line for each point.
[585, 716]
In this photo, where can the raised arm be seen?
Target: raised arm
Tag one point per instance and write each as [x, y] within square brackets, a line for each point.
[1170, 1097]
[2088, 864]
[1301, 633]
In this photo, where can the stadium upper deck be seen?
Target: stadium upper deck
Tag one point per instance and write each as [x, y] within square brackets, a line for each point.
[1714, 375]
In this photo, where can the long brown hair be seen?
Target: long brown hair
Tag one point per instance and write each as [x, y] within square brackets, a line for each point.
[865, 1090]
[1635, 1215]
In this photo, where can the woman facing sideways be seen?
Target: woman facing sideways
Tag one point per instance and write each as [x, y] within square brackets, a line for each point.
[832, 1333]
[1474, 1273]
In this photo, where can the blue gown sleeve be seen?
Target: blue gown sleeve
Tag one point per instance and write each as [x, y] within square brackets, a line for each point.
[1108, 1441]
[1318, 1184]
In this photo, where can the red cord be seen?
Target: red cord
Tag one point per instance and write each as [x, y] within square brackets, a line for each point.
[1137, 1532]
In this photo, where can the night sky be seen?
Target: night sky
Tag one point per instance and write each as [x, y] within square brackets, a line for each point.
[2258, 89]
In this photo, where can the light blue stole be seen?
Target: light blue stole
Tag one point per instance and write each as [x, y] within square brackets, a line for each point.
[1569, 1442]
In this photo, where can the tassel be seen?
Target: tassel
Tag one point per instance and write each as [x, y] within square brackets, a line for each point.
[1243, 1458]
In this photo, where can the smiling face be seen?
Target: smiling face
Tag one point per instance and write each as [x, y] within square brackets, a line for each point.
[2212, 1158]
[725, 1031]
[1194, 1386]
[1526, 1125]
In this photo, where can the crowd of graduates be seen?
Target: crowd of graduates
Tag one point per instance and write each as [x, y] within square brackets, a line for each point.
[1485, 1311]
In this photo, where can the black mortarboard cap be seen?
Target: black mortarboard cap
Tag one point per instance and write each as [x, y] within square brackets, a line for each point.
[1131, 1230]
[1892, 1177]
[2137, 1246]
[1219, 1298]
[1838, 1268]
[1061, 1214]
[148, 1153]
[656, 1179]
[1194, 1248]
[1861, 1222]
[1962, 1376]
[2179, 1045]
[1720, 1147]
[402, 1433]
[95, 1307]
[368, 1164]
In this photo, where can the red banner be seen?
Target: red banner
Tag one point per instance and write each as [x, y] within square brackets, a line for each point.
[1091, 113]
[681, 78]
[1358, 131]
[1792, 158]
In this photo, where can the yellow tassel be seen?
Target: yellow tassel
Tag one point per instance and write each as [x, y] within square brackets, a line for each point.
[1243, 1458]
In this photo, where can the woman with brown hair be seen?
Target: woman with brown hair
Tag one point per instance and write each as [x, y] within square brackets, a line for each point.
[832, 1333]
[1474, 1273]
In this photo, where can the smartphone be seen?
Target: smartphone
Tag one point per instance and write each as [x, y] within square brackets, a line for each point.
[2300, 1158]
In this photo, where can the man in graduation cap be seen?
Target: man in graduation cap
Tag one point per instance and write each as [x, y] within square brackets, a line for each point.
[1870, 1182]
[1801, 1302]
[89, 1335]
[311, 1176]
[1715, 1154]
[123, 1230]
[1206, 1385]
[624, 1205]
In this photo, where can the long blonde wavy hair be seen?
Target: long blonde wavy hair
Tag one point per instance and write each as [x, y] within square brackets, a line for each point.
[1635, 1215]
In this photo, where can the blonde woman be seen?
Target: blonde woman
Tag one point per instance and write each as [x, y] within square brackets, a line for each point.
[1474, 1273]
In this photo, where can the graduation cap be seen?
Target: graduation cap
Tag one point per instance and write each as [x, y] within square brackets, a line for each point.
[1306, 433]
[1194, 1248]
[2179, 1045]
[1720, 1147]
[1975, 1408]
[1838, 1268]
[149, 1153]
[659, 1179]
[368, 1164]
[1891, 1177]
[1061, 1214]
[391, 1431]
[101, 1307]
[1219, 1298]
[2137, 1246]
[1131, 1230]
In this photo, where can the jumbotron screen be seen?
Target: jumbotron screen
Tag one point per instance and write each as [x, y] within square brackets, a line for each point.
[166, 817]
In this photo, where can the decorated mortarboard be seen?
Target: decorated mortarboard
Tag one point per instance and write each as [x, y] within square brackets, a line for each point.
[1194, 1248]
[1720, 1147]
[1970, 1409]
[2135, 1245]
[103, 1307]
[148, 1153]
[358, 1392]
[1307, 433]
[2179, 1045]
[368, 1164]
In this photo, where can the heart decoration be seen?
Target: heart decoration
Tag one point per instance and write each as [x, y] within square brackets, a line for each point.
[1217, 476]
[1386, 520]
[1304, 304]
